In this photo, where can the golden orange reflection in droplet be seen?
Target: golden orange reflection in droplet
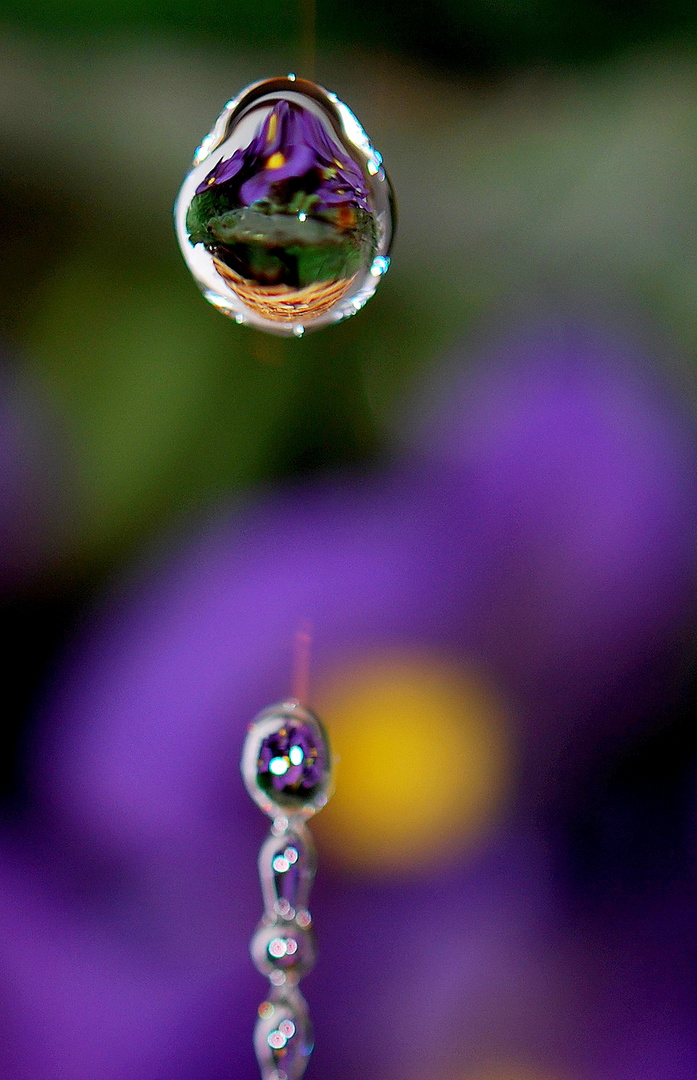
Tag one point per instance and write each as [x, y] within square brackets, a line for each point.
[423, 761]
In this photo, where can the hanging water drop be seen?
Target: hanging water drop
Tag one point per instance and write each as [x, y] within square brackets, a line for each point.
[286, 210]
[286, 762]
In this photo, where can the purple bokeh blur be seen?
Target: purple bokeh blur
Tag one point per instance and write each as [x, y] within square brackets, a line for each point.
[543, 529]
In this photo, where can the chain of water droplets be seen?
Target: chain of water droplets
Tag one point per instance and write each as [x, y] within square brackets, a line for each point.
[287, 770]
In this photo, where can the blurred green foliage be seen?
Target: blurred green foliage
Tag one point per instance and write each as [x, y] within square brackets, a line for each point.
[168, 405]
[466, 35]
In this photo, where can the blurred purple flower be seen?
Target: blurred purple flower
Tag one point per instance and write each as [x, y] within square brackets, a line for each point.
[547, 532]
[585, 463]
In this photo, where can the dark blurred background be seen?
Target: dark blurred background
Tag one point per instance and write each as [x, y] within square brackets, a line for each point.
[544, 156]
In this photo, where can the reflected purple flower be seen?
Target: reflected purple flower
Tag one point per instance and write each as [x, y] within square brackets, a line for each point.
[225, 171]
[292, 144]
[291, 759]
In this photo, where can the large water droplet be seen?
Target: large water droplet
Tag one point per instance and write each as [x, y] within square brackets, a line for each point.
[286, 210]
[287, 865]
[283, 1037]
[286, 762]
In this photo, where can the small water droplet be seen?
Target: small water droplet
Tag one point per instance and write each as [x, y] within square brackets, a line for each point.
[287, 866]
[283, 946]
[283, 1037]
[286, 767]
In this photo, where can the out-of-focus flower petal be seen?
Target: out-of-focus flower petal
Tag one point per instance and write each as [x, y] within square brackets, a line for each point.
[586, 462]
[543, 537]
[122, 971]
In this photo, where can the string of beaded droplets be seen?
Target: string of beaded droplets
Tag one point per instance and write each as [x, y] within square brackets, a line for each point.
[287, 770]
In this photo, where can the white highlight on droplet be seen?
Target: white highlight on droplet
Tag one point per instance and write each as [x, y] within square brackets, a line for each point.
[296, 755]
[278, 947]
[380, 265]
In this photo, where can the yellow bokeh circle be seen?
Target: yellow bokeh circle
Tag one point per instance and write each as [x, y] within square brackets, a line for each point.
[508, 1072]
[422, 761]
[503, 1070]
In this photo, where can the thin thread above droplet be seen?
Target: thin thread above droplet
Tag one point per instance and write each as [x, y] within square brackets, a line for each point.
[302, 649]
[308, 49]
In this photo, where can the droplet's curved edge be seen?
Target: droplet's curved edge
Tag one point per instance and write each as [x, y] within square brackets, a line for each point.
[263, 725]
[370, 160]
